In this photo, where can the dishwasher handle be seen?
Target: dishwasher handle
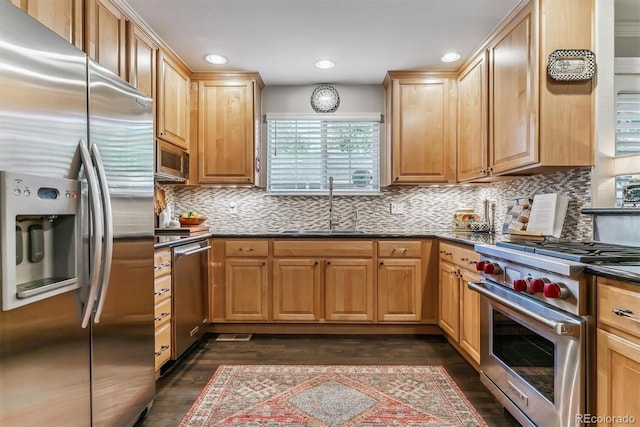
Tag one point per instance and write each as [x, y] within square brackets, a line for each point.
[190, 249]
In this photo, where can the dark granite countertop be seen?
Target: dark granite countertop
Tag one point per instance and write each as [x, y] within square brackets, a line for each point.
[623, 272]
[169, 240]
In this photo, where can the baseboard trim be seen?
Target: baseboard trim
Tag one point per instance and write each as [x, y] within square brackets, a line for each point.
[324, 328]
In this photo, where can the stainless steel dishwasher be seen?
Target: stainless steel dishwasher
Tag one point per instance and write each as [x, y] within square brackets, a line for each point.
[189, 297]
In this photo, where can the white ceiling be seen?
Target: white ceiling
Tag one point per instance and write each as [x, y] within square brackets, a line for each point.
[282, 39]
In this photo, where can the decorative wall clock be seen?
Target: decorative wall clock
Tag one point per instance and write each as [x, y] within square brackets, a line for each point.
[325, 99]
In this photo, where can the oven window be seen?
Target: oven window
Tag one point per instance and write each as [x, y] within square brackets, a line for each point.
[528, 354]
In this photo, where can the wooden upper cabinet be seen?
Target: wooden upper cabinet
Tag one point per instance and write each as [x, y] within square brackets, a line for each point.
[226, 129]
[142, 53]
[473, 132]
[422, 127]
[106, 35]
[537, 124]
[64, 17]
[173, 101]
[513, 96]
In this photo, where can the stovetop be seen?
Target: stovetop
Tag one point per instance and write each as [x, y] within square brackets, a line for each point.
[586, 252]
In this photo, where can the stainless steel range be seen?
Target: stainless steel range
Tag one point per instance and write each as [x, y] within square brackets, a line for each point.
[537, 327]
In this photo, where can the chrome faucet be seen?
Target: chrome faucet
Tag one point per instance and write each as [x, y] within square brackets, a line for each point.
[330, 203]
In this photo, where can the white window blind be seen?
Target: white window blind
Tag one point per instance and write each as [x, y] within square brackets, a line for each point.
[627, 123]
[303, 154]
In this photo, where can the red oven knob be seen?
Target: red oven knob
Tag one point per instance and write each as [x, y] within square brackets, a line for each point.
[480, 265]
[491, 268]
[555, 290]
[520, 285]
[537, 285]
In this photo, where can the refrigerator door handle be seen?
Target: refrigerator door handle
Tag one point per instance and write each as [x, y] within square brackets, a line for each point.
[107, 214]
[97, 232]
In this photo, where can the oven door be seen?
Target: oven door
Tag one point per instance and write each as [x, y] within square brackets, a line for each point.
[532, 356]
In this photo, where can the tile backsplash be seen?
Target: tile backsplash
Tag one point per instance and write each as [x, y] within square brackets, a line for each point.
[425, 208]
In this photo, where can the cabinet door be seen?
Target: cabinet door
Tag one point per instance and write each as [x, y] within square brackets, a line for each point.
[225, 132]
[399, 290]
[513, 96]
[246, 287]
[473, 132]
[296, 289]
[618, 364]
[349, 290]
[173, 102]
[421, 148]
[63, 17]
[470, 316]
[106, 35]
[449, 300]
[142, 60]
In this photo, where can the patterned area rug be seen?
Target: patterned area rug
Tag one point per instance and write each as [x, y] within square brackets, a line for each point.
[299, 395]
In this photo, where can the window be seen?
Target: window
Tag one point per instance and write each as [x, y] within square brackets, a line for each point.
[303, 154]
[627, 133]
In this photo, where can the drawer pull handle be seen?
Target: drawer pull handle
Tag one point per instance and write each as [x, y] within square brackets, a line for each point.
[162, 350]
[161, 291]
[465, 259]
[246, 249]
[403, 250]
[445, 253]
[161, 266]
[626, 313]
[162, 316]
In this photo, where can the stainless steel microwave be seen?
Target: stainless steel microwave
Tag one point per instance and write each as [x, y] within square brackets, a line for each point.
[172, 163]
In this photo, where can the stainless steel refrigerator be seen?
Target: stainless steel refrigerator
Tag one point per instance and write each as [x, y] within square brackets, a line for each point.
[76, 229]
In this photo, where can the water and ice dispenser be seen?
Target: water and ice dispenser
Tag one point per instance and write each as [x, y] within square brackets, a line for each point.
[41, 236]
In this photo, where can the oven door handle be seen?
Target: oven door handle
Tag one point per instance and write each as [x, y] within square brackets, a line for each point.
[559, 328]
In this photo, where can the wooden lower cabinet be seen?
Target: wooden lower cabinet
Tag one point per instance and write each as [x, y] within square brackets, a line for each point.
[163, 306]
[349, 290]
[246, 289]
[323, 280]
[459, 306]
[449, 300]
[296, 289]
[618, 351]
[399, 290]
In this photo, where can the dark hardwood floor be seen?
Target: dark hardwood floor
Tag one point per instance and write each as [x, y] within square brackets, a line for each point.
[180, 386]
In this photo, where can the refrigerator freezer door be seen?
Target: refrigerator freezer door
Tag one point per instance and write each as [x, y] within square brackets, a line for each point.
[44, 353]
[123, 377]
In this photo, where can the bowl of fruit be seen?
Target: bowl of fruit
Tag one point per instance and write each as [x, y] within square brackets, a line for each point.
[191, 218]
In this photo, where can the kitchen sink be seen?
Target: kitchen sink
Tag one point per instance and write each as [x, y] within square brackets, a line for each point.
[322, 232]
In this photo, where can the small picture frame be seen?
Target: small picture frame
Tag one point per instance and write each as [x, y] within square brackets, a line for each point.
[572, 65]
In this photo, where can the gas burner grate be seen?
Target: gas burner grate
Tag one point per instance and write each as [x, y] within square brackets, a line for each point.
[587, 252]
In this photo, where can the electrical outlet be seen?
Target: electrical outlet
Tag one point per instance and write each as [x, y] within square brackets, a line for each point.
[397, 208]
[233, 208]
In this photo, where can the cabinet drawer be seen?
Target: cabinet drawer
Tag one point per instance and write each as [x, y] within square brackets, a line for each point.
[461, 256]
[163, 345]
[162, 312]
[323, 248]
[399, 249]
[614, 295]
[162, 262]
[246, 248]
[161, 288]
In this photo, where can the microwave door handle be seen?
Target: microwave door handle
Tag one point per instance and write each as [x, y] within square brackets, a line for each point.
[559, 328]
[107, 216]
[97, 232]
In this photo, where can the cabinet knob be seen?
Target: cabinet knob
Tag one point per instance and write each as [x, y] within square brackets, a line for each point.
[315, 263]
[381, 263]
[264, 263]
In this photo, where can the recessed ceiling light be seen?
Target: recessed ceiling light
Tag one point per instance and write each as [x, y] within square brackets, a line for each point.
[325, 64]
[216, 59]
[450, 57]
